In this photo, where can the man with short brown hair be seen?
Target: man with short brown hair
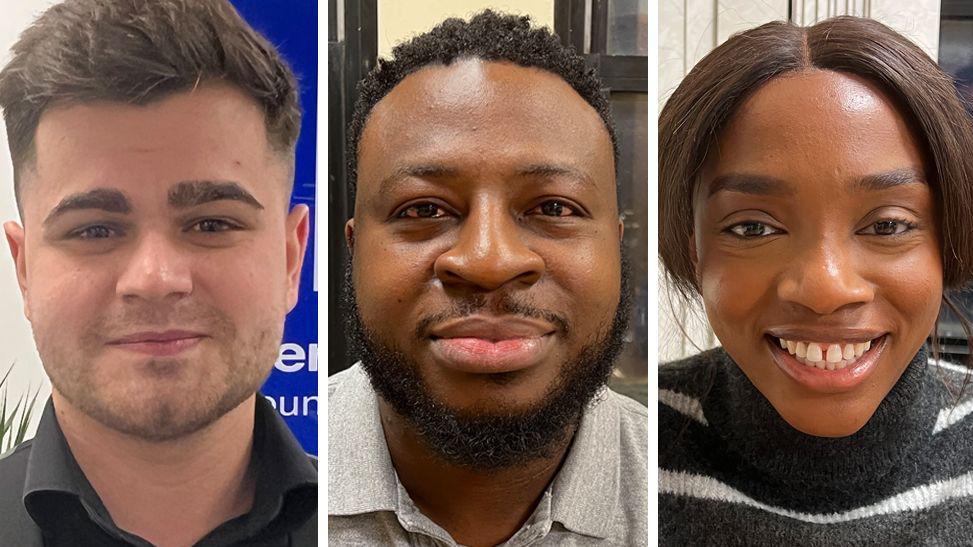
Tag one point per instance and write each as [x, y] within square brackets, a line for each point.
[153, 148]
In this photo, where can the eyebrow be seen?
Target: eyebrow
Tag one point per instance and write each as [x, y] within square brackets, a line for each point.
[192, 193]
[183, 195]
[102, 199]
[543, 170]
[750, 184]
[773, 186]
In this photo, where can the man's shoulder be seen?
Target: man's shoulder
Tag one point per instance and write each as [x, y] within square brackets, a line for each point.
[345, 381]
[16, 526]
[13, 471]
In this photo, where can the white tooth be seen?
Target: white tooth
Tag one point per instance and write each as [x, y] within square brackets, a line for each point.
[813, 353]
[848, 352]
[868, 346]
[802, 349]
[841, 365]
[859, 349]
[821, 364]
[831, 365]
[783, 344]
[834, 353]
[790, 347]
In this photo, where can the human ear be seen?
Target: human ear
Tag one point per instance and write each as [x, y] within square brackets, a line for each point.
[15, 241]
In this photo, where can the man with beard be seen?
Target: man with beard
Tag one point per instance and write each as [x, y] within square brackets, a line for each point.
[487, 303]
[153, 145]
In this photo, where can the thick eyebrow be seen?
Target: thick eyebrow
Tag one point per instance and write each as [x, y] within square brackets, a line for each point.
[750, 184]
[103, 199]
[197, 192]
[891, 179]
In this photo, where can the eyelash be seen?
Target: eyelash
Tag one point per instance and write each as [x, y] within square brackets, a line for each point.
[85, 233]
[561, 205]
[909, 226]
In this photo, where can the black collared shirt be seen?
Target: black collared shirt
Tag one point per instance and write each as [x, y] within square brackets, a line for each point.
[45, 499]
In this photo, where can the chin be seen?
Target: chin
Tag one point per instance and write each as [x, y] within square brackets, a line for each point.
[824, 424]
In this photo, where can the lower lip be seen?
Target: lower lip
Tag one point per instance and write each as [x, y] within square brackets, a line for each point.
[481, 356]
[829, 381]
[166, 348]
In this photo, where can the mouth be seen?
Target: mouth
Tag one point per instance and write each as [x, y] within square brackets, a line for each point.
[832, 366]
[491, 345]
[158, 343]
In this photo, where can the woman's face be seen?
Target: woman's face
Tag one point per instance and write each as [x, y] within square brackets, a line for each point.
[814, 224]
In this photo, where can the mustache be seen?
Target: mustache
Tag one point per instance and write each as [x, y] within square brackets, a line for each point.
[193, 316]
[503, 304]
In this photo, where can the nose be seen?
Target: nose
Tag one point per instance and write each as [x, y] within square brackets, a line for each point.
[825, 278]
[156, 270]
[489, 252]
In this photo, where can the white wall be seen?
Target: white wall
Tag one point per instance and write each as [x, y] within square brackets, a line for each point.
[689, 29]
[16, 341]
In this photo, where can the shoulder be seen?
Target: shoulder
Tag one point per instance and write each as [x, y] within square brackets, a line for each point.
[345, 381]
[16, 526]
[692, 375]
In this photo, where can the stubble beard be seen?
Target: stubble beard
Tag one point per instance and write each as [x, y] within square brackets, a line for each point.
[169, 398]
[504, 438]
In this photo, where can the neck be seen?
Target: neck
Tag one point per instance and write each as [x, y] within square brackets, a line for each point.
[475, 507]
[173, 492]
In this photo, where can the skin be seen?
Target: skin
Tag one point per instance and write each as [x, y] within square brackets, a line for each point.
[465, 144]
[179, 426]
[820, 257]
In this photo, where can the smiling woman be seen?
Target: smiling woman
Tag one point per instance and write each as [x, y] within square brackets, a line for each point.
[816, 191]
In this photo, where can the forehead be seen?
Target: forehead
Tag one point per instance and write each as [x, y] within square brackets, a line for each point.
[483, 115]
[215, 132]
[818, 119]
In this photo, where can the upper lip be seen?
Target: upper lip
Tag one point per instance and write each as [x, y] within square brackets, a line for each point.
[156, 336]
[834, 335]
[492, 327]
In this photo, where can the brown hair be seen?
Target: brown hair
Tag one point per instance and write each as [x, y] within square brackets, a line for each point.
[707, 98]
[137, 52]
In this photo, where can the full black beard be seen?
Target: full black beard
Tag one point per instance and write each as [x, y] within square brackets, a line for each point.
[504, 438]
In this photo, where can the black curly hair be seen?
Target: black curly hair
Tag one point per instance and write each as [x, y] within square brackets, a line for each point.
[490, 36]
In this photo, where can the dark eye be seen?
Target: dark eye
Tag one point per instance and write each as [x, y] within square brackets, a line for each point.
[889, 227]
[422, 210]
[94, 232]
[555, 208]
[752, 229]
[211, 225]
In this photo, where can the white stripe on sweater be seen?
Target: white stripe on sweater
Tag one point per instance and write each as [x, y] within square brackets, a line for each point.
[921, 497]
[683, 404]
[953, 414]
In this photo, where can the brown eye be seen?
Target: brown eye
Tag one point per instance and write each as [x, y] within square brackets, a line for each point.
[422, 210]
[751, 229]
[212, 225]
[889, 227]
[556, 208]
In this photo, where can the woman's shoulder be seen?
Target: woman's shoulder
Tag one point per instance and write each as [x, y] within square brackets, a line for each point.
[692, 375]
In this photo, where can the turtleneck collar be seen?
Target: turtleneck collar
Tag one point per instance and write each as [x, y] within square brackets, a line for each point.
[760, 443]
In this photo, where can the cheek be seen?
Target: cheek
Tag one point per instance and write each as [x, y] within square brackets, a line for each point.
[731, 290]
[388, 277]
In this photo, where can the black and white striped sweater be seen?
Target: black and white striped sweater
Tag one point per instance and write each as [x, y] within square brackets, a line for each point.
[732, 472]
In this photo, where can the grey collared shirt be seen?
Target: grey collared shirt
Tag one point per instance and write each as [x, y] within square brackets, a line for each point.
[45, 498]
[599, 497]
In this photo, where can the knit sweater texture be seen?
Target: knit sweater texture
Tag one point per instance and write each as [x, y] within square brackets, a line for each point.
[733, 472]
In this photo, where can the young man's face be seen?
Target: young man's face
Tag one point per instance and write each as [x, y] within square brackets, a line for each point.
[486, 233]
[157, 258]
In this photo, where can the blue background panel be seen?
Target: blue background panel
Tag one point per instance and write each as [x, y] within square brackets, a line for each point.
[291, 25]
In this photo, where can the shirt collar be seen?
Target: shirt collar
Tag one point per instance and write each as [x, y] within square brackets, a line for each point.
[361, 478]
[286, 491]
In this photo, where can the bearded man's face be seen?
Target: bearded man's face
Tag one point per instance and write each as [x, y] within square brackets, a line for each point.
[486, 259]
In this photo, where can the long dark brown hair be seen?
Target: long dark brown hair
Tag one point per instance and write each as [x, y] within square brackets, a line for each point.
[710, 94]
